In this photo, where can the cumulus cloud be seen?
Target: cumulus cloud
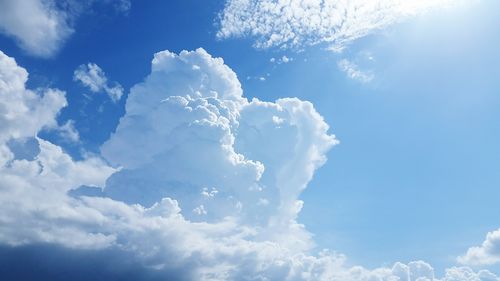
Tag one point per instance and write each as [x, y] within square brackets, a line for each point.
[68, 132]
[297, 24]
[353, 71]
[189, 140]
[40, 27]
[211, 136]
[32, 168]
[94, 78]
[487, 253]
[24, 112]
[37, 25]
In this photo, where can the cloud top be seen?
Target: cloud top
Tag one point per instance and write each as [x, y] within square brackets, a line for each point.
[486, 254]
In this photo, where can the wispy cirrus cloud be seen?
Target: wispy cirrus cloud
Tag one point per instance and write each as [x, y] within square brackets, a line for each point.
[297, 24]
[353, 71]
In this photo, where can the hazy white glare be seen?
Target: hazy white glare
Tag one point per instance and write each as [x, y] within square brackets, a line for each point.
[297, 24]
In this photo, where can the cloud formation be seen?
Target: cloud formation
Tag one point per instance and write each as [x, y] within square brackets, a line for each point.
[36, 25]
[94, 78]
[353, 71]
[68, 132]
[32, 168]
[206, 184]
[297, 24]
[24, 112]
[283, 59]
[40, 27]
[486, 254]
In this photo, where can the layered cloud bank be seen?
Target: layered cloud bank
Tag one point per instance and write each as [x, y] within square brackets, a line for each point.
[298, 23]
[205, 184]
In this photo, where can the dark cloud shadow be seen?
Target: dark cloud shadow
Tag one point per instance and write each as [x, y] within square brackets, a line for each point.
[55, 263]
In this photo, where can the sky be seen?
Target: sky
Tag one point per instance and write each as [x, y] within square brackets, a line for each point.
[250, 140]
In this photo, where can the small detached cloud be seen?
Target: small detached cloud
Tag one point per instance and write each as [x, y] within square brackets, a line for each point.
[353, 71]
[93, 77]
[283, 59]
[486, 254]
[122, 6]
[261, 78]
[297, 24]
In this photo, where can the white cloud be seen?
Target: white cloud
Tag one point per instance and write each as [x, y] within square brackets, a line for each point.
[94, 78]
[187, 127]
[353, 71]
[487, 253]
[205, 130]
[40, 27]
[24, 112]
[68, 131]
[283, 59]
[37, 25]
[33, 185]
[200, 210]
[297, 23]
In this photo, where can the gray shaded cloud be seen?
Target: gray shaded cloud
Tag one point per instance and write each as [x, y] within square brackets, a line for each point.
[44, 262]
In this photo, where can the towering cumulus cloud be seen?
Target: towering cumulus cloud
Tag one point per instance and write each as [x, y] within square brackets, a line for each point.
[205, 185]
[190, 135]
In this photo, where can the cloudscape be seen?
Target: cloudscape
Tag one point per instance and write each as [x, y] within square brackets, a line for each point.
[267, 140]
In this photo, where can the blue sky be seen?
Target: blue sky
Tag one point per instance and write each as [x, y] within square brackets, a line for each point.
[413, 103]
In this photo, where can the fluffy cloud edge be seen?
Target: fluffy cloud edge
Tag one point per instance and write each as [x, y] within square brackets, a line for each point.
[92, 76]
[487, 253]
[41, 27]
